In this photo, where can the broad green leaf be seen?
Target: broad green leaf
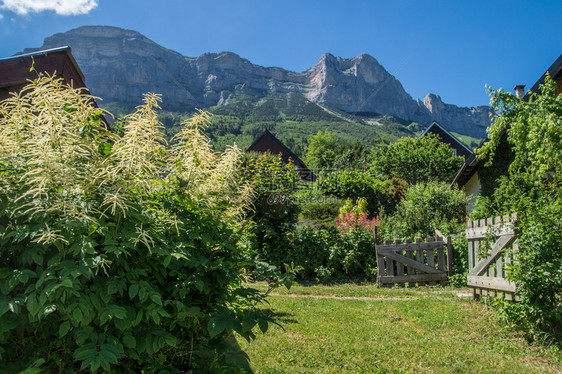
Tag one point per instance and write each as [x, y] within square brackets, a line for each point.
[167, 260]
[215, 326]
[86, 351]
[156, 298]
[63, 329]
[133, 290]
[129, 341]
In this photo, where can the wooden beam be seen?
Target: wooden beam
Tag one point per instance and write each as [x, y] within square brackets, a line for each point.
[413, 278]
[412, 263]
[499, 284]
[411, 246]
[500, 244]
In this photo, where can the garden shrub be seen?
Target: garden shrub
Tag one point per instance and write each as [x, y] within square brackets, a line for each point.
[426, 207]
[537, 271]
[310, 249]
[320, 210]
[416, 160]
[382, 195]
[274, 210]
[116, 252]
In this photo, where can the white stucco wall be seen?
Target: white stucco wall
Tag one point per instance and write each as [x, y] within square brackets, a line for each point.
[472, 189]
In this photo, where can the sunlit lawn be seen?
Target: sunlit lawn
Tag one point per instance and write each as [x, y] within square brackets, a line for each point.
[390, 331]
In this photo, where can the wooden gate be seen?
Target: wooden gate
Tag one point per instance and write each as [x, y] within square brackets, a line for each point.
[487, 271]
[408, 262]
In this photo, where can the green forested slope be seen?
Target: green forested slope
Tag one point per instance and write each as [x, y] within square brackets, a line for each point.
[293, 119]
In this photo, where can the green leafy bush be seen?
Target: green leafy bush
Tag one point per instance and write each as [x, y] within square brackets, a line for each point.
[310, 249]
[274, 210]
[382, 195]
[426, 207]
[116, 252]
[538, 270]
[416, 160]
[322, 210]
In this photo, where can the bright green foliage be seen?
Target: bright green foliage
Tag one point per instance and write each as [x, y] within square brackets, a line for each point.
[416, 160]
[426, 207]
[274, 210]
[381, 195]
[328, 255]
[533, 130]
[318, 209]
[538, 271]
[323, 148]
[116, 253]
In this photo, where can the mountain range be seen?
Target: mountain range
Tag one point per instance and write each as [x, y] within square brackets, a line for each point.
[121, 65]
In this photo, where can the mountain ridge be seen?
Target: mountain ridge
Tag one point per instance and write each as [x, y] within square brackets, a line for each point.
[121, 65]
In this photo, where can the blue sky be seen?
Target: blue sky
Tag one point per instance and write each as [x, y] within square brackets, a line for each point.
[450, 48]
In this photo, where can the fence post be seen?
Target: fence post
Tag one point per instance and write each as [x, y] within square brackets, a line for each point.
[449, 255]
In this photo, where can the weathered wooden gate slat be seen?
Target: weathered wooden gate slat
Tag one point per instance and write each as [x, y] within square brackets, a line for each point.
[492, 283]
[499, 245]
[487, 275]
[396, 263]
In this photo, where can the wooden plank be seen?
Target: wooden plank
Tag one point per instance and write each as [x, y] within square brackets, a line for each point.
[490, 283]
[419, 254]
[389, 265]
[470, 254]
[412, 263]
[410, 255]
[413, 278]
[449, 255]
[441, 260]
[380, 264]
[500, 244]
[430, 255]
[411, 247]
[399, 265]
[496, 225]
[430, 258]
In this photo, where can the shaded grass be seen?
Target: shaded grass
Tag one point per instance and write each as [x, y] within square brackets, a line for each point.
[429, 331]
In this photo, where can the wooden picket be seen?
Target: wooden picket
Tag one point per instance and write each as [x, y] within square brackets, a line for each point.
[408, 262]
[487, 275]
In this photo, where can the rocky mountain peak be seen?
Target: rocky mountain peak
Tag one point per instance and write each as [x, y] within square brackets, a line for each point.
[433, 103]
[121, 65]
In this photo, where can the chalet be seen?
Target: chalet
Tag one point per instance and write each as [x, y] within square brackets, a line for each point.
[448, 138]
[15, 71]
[468, 178]
[269, 143]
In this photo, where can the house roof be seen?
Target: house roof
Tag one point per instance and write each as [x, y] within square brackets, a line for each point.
[267, 142]
[555, 72]
[16, 70]
[447, 137]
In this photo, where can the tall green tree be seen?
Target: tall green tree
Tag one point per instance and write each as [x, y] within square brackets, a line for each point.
[416, 160]
[322, 150]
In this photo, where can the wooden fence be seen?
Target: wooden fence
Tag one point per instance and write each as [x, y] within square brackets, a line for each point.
[487, 270]
[408, 262]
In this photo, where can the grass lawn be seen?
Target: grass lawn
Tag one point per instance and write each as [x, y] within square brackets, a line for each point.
[363, 329]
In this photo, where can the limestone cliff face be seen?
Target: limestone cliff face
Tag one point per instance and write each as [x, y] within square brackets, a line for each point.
[359, 84]
[120, 65]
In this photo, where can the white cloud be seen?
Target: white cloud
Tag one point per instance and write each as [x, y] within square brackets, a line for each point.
[1, 16]
[61, 7]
